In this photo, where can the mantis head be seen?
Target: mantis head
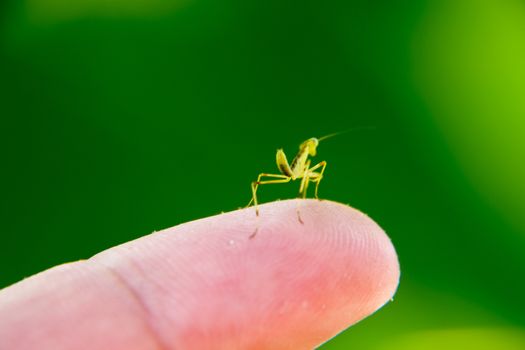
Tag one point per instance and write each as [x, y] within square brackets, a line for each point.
[311, 145]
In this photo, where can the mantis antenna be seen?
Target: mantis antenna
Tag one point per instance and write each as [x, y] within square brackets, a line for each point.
[344, 132]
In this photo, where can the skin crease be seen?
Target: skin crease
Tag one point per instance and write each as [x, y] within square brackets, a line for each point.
[206, 284]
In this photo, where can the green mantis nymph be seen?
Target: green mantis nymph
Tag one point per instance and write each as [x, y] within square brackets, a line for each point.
[299, 169]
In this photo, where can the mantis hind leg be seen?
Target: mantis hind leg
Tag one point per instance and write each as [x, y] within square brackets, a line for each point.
[255, 186]
[318, 176]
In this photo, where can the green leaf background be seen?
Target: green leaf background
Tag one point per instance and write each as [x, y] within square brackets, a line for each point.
[125, 117]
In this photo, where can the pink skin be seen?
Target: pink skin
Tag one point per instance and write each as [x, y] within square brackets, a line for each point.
[207, 285]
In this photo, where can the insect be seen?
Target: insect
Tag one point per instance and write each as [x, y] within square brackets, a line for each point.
[299, 169]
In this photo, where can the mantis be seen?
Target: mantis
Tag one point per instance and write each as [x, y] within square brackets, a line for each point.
[299, 169]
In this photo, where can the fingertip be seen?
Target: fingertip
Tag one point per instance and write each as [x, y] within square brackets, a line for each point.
[347, 269]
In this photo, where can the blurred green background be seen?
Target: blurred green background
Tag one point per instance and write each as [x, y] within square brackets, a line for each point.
[124, 117]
